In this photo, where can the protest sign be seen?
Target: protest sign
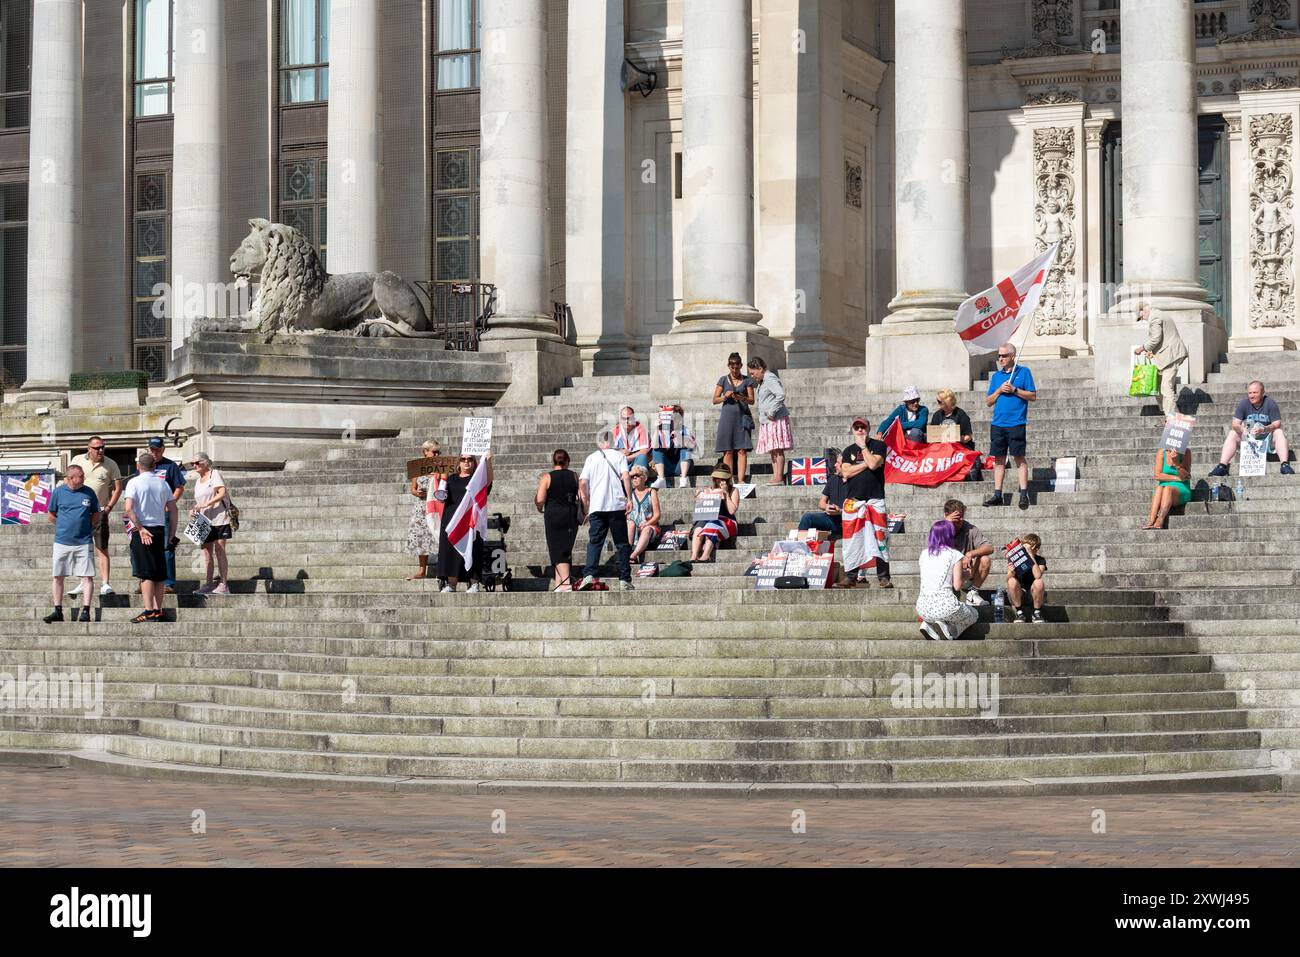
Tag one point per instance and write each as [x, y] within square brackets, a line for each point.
[477, 437]
[1018, 556]
[769, 570]
[1178, 433]
[1254, 458]
[1067, 470]
[198, 529]
[945, 432]
[707, 507]
[439, 464]
[926, 464]
[23, 495]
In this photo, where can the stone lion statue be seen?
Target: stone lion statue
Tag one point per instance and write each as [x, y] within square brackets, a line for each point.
[296, 294]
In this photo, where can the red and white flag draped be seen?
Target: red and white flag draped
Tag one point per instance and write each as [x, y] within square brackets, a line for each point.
[470, 518]
[435, 501]
[926, 463]
[989, 319]
[866, 534]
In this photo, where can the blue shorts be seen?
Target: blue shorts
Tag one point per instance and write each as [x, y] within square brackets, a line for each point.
[1004, 441]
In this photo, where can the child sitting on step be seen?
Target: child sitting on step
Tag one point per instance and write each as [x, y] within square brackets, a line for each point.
[1028, 579]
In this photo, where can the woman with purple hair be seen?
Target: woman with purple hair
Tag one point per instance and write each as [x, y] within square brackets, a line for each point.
[943, 615]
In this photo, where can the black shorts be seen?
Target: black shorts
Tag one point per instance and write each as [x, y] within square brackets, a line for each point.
[1006, 441]
[218, 533]
[149, 562]
[100, 534]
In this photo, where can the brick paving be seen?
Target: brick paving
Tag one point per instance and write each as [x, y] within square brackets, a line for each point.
[60, 817]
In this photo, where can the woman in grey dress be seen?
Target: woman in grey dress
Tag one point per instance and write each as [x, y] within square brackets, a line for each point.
[735, 393]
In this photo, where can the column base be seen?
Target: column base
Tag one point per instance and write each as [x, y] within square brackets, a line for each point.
[44, 390]
[687, 367]
[538, 367]
[612, 357]
[532, 326]
[926, 354]
[1119, 331]
[1261, 344]
[700, 316]
[821, 352]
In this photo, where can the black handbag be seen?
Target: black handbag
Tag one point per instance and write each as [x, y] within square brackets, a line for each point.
[791, 581]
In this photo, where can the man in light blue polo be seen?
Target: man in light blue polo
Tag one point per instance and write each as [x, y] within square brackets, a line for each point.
[1011, 389]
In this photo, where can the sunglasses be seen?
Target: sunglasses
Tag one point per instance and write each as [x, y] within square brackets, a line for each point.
[859, 428]
[466, 458]
[1004, 355]
[95, 448]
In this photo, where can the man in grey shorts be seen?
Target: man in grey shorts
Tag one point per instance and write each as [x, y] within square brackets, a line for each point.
[74, 510]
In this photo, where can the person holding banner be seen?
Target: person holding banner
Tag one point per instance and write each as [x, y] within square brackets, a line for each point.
[949, 413]
[1256, 417]
[631, 439]
[1172, 473]
[862, 467]
[706, 536]
[452, 565]
[557, 500]
[671, 445]
[1011, 389]
[1166, 350]
[419, 536]
[212, 500]
[943, 616]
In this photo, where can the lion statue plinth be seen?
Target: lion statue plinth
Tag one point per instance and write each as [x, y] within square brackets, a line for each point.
[296, 295]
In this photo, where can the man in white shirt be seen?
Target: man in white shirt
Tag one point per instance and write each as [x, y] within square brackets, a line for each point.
[606, 493]
[152, 510]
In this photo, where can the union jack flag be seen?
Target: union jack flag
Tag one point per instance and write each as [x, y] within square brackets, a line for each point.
[810, 471]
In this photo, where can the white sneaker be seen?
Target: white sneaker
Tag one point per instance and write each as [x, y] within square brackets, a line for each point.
[927, 629]
[973, 597]
[947, 631]
[683, 481]
[472, 589]
[447, 590]
[107, 590]
[76, 592]
[659, 483]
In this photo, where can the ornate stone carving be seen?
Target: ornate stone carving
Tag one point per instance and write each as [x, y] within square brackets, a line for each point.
[1269, 81]
[852, 184]
[1055, 221]
[1265, 14]
[1272, 222]
[1052, 20]
[1093, 135]
[1054, 97]
[296, 294]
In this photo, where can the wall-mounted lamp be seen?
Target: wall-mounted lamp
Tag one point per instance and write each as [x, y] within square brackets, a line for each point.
[635, 78]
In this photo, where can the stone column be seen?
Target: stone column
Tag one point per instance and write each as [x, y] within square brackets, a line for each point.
[513, 207]
[595, 253]
[54, 198]
[916, 345]
[717, 316]
[200, 253]
[1161, 211]
[1094, 130]
[356, 163]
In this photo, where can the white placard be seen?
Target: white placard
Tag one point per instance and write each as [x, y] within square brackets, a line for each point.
[1067, 471]
[477, 438]
[1254, 458]
[198, 529]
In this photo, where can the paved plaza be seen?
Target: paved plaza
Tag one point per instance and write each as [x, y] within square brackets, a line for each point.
[61, 817]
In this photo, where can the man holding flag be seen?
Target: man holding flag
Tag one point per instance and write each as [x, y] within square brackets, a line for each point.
[460, 550]
[987, 322]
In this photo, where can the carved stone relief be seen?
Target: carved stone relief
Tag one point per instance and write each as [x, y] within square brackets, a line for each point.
[852, 184]
[1272, 222]
[1055, 221]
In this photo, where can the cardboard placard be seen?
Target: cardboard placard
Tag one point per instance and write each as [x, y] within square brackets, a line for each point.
[708, 507]
[769, 570]
[1067, 471]
[1178, 433]
[947, 432]
[647, 570]
[673, 541]
[897, 524]
[441, 464]
[477, 437]
[198, 529]
[820, 569]
[1018, 556]
[24, 495]
[1254, 458]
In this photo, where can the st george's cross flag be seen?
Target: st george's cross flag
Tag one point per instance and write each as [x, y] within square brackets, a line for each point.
[989, 319]
[865, 527]
[435, 501]
[470, 518]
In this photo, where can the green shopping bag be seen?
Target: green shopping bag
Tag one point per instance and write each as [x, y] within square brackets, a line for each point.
[1145, 380]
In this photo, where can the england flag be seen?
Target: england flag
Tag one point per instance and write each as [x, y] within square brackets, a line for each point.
[435, 500]
[989, 319]
[470, 518]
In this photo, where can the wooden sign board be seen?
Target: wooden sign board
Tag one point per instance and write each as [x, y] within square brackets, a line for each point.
[947, 432]
[444, 464]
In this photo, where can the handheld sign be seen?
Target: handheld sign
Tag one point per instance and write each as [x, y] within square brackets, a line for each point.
[1018, 557]
[198, 529]
[1254, 458]
[707, 508]
[441, 464]
[1178, 433]
[944, 432]
[477, 438]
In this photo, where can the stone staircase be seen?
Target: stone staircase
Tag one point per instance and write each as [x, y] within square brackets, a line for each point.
[1169, 661]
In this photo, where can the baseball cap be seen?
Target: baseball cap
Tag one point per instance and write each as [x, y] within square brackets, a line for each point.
[155, 443]
[910, 393]
[861, 421]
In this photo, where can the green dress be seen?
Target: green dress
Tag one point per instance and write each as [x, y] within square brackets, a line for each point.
[1184, 490]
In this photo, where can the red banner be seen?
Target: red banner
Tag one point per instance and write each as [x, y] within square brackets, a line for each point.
[925, 463]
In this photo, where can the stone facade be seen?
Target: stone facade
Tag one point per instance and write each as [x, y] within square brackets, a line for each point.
[807, 176]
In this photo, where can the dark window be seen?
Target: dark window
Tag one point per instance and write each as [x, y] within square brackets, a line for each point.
[16, 68]
[304, 51]
[302, 196]
[455, 214]
[13, 285]
[456, 56]
[151, 245]
[154, 71]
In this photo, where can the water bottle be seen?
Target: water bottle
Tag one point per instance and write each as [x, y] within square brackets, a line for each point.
[999, 603]
[1241, 490]
[1214, 492]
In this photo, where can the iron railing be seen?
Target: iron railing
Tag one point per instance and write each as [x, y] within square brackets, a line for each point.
[461, 310]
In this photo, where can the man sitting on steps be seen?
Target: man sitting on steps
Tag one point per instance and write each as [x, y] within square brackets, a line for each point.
[976, 550]
[1258, 415]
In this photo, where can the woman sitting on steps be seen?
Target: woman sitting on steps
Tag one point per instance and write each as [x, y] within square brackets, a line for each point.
[1172, 471]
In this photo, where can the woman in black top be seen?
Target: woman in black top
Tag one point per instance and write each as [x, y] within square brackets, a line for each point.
[557, 500]
[949, 411]
[450, 564]
[735, 393]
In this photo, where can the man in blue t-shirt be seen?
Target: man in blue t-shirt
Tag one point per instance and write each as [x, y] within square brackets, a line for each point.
[74, 510]
[1011, 389]
[1257, 417]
